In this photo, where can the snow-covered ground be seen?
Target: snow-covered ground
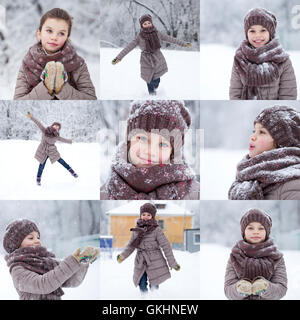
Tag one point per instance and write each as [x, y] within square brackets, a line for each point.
[215, 70]
[116, 279]
[216, 179]
[18, 170]
[123, 81]
[214, 259]
[7, 89]
[88, 290]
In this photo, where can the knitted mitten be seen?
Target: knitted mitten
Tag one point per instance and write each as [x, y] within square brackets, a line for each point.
[48, 76]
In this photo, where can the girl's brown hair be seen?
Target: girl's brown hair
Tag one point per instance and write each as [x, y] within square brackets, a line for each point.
[57, 13]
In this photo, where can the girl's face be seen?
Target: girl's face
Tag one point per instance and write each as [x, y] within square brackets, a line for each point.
[149, 149]
[147, 24]
[53, 35]
[255, 232]
[258, 36]
[56, 127]
[32, 239]
[146, 216]
[260, 141]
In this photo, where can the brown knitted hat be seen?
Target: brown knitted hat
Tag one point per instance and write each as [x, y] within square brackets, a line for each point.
[263, 17]
[145, 17]
[256, 215]
[283, 123]
[161, 115]
[16, 233]
[148, 207]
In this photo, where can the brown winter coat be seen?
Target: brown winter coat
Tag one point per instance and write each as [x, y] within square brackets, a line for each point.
[276, 290]
[194, 193]
[284, 88]
[153, 65]
[149, 257]
[47, 146]
[85, 89]
[33, 286]
[289, 190]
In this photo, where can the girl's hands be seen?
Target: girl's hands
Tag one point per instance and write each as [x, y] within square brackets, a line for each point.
[59, 77]
[28, 115]
[88, 255]
[188, 45]
[259, 286]
[48, 76]
[120, 258]
[177, 267]
[115, 61]
[244, 287]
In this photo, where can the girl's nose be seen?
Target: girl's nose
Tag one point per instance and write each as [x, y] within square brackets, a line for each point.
[253, 137]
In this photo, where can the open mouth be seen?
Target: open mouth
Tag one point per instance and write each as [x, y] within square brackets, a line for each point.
[251, 147]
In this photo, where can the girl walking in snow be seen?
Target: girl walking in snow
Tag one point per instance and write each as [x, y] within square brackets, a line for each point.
[271, 170]
[148, 239]
[47, 148]
[153, 63]
[52, 69]
[262, 69]
[36, 274]
[150, 164]
[256, 269]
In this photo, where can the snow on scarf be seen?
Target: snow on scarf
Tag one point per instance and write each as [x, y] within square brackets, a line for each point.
[255, 260]
[265, 172]
[34, 258]
[36, 59]
[258, 66]
[151, 38]
[164, 181]
[143, 227]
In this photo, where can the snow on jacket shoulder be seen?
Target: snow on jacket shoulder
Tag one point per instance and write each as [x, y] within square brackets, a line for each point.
[33, 286]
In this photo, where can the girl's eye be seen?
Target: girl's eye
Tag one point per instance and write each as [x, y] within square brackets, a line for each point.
[61, 34]
[261, 132]
[142, 138]
[48, 30]
[163, 145]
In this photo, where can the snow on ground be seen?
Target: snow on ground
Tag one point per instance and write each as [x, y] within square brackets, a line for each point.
[216, 179]
[116, 279]
[18, 170]
[123, 81]
[7, 89]
[88, 290]
[215, 70]
[214, 259]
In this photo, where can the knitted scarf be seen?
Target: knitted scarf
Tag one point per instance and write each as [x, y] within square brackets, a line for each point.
[265, 172]
[151, 38]
[143, 227]
[255, 260]
[163, 181]
[51, 132]
[36, 59]
[34, 258]
[258, 66]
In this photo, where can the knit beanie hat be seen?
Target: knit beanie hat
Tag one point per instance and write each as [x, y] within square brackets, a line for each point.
[169, 118]
[16, 233]
[145, 17]
[148, 207]
[283, 123]
[256, 215]
[263, 17]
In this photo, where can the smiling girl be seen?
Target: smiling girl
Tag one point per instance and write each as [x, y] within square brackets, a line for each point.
[262, 70]
[51, 69]
[256, 269]
[271, 170]
[150, 164]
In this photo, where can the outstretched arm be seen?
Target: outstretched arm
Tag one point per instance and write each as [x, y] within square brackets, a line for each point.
[40, 126]
[127, 49]
[170, 39]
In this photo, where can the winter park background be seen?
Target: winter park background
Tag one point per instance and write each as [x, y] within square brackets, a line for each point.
[20, 137]
[120, 25]
[220, 230]
[227, 126]
[113, 127]
[22, 19]
[222, 30]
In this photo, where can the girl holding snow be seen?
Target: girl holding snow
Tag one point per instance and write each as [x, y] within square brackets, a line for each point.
[148, 239]
[256, 269]
[153, 63]
[47, 148]
[150, 164]
[262, 69]
[36, 274]
[52, 69]
[271, 170]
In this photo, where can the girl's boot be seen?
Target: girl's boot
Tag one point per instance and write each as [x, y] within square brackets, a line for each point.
[38, 181]
[73, 173]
